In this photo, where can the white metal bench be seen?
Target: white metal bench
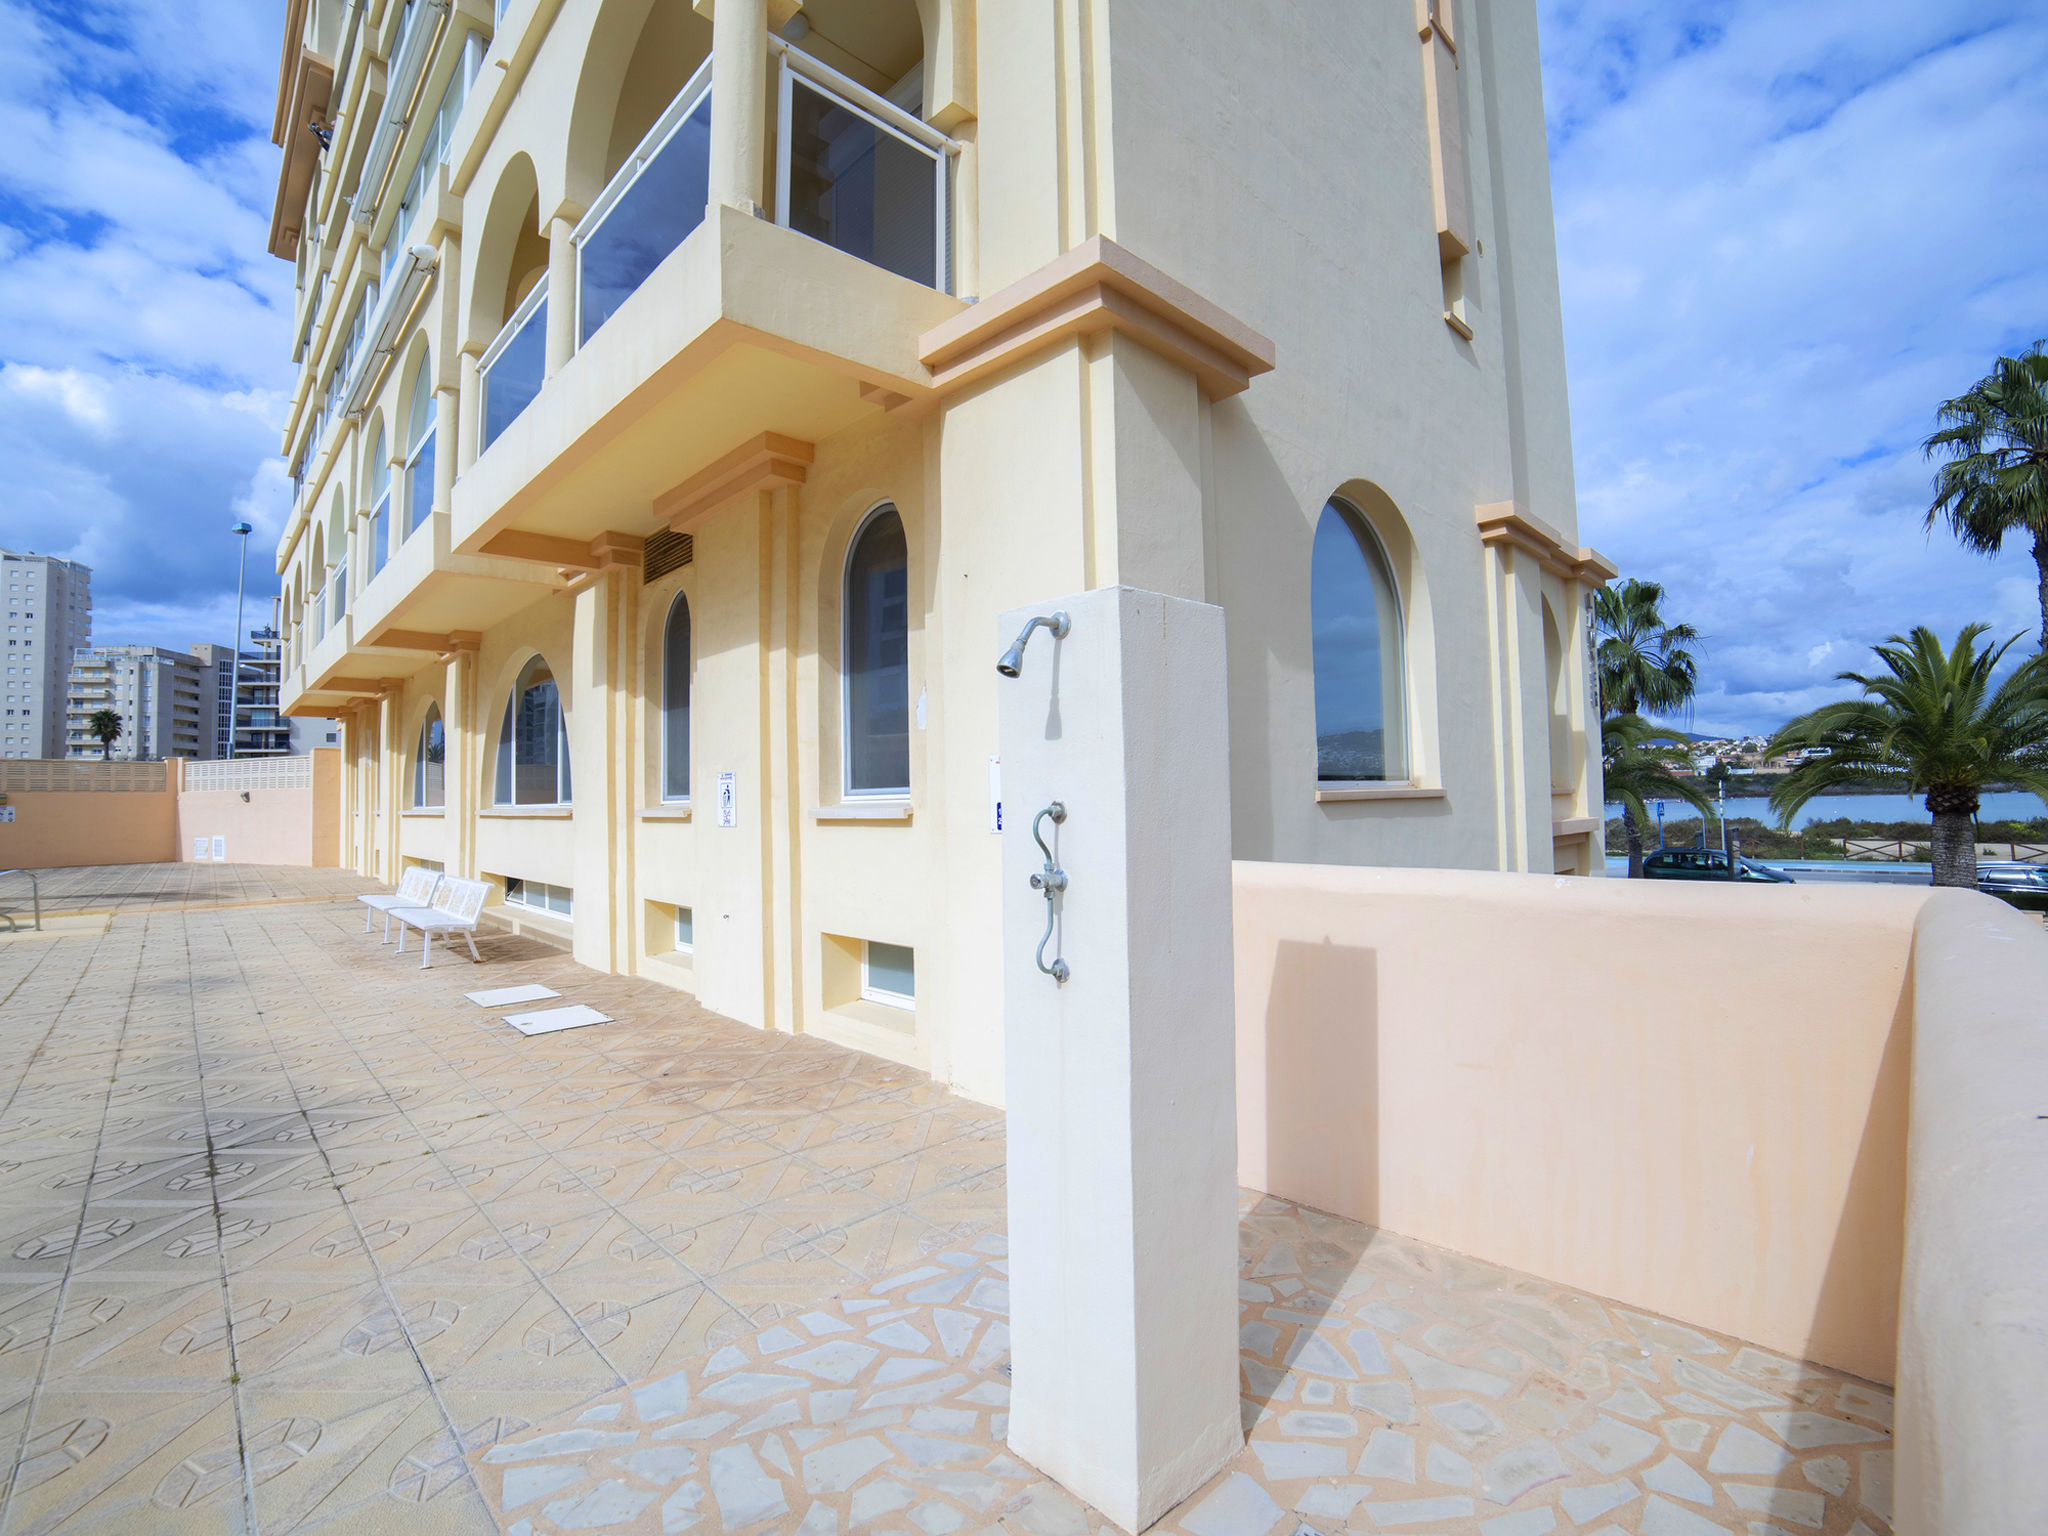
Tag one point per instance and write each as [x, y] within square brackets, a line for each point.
[415, 889]
[456, 906]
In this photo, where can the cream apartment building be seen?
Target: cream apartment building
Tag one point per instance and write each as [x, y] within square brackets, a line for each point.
[686, 387]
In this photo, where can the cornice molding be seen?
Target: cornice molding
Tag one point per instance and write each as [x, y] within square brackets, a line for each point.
[1503, 525]
[765, 463]
[1097, 286]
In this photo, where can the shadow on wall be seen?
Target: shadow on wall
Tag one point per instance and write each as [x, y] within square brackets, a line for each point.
[1323, 1077]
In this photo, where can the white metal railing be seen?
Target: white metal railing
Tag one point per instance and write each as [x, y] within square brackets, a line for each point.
[693, 98]
[513, 366]
[903, 133]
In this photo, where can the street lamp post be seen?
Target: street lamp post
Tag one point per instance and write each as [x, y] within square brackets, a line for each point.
[242, 531]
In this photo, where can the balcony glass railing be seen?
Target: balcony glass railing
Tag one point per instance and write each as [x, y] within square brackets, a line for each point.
[861, 174]
[514, 365]
[648, 209]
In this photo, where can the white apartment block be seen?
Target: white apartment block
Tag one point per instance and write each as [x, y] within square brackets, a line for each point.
[166, 700]
[49, 615]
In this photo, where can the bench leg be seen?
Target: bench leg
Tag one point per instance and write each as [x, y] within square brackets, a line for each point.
[387, 930]
[401, 938]
[470, 939]
[426, 946]
[369, 916]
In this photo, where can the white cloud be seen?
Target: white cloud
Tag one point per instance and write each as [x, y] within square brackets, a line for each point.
[1784, 238]
[144, 328]
[82, 397]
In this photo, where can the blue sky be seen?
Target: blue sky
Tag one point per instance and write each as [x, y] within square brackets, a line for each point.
[1785, 234]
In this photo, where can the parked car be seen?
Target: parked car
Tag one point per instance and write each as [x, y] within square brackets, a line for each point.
[2023, 885]
[1708, 864]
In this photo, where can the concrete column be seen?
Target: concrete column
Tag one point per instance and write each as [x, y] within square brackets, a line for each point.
[601, 741]
[1122, 1117]
[467, 425]
[781, 792]
[446, 418]
[385, 854]
[739, 103]
[460, 769]
[561, 294]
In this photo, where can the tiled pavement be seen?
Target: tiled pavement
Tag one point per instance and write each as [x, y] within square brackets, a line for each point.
[134, 887]
[295, 1238]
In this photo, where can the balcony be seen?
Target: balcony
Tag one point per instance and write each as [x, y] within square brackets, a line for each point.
[690, 335]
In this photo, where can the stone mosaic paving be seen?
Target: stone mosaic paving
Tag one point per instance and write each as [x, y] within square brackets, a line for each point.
[1388, 1386]
[134, 887]
[294, 1238]
[287, 1227]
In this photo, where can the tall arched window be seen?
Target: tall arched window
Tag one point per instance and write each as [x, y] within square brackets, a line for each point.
[675, 702]
[419, 448]
[429, 763]
[1355, 619]
[533, 742]
[877, 652]
[380, 501]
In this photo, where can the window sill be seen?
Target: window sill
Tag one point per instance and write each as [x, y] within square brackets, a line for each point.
[677, 812]
[434, 812]
[1574, 826]
[529, 812]
[1457, 325]
[1334, 792]
[864, 810]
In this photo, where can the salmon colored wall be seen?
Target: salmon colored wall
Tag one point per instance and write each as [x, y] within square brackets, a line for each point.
[54, 828]
[1690, 1098]
[273, 826]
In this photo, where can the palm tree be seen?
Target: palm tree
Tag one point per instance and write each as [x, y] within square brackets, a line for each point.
[1996, 479]
[104, 725]
[1642, 663]
[1933, 716]
[1636, 760]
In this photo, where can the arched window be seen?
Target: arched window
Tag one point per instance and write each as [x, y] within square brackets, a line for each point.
[429, 763]
[877, 652]
[533, 742]
[380, 501]
[675, 702]
[419, 448]
[337, 562]
[1355, 619]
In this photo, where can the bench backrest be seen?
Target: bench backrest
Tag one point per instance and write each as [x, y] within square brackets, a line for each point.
[462, 900]
[416, 885]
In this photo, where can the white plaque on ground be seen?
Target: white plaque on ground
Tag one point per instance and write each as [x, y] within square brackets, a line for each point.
[505, 997]
[548, 1020]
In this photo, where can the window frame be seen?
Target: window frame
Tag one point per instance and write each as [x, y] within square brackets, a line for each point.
[414, 517]
[680, 603]
[846, 652]
[1372, 549]
[506, 753]
[432, 718]
[885, 996]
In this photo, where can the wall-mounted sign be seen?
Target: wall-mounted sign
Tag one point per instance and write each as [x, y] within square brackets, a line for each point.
[6, 813]
[995, 794]
[728, 801]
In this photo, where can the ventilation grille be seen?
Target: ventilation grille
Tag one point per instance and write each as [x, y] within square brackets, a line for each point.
[47, 775]
[664, 552]
[250, 773]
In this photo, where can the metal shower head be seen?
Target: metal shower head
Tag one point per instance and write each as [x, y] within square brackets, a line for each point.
[1011, 662]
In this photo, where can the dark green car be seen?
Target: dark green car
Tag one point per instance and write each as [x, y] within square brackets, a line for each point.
[2023, 885]
[1708, 864]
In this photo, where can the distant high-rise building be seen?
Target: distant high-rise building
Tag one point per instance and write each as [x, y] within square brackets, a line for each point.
[165, 700]
[49, 615]
[260, 731]
[218, 664]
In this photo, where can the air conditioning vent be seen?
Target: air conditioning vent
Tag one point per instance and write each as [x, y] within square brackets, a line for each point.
[664, 552]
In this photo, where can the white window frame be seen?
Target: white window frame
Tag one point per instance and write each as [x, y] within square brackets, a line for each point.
[869, 992]
[846, 789]
[685, 946]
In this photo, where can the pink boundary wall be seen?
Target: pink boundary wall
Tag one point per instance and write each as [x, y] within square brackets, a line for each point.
[272, 826]
[1688, 1097]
